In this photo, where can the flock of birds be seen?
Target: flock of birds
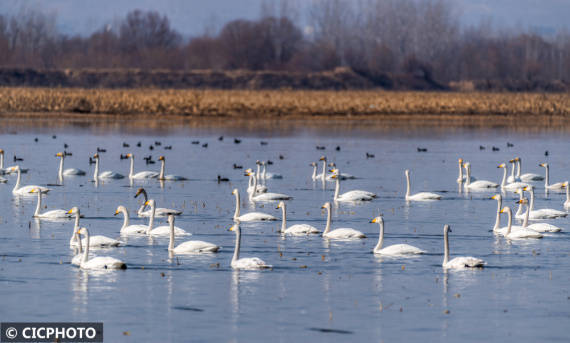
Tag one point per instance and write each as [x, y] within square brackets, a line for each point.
[257, 191]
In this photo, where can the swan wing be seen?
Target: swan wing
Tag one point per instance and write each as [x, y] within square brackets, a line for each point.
[145, 175]
[175, 178]
[134, 230]
[424, 196]
[271, 196]
[192, 247]
[544, 227]
[255, 217]
[165, 231]
[523, 233]
[546, 213]
[515, 185]
[400, 249]
[464, 262]
[73, 171]
[250, 263]
[531, 177]
[344, 233]
[301, 229]
[28, 189]
[104, 262]
[356, 195]
[482, 184]
[110, 175]
[54, 214]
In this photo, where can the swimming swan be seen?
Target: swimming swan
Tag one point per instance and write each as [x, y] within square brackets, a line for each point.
[458, 262]
[527, 177]
[99, 262]
[8, 170]
[106, 174]
[140, 175]
[497, 230]
[94, 241]
[422, 196]
[461, 178]
[393, 250]
[159, 211]
[53, 214]
[266, 175]
[521, 233]
[513, 178]
[342, 233]
[265, 196]
[161, 176]
[543, 213]
[247, 263]
[547, 185]
[128, 229]
[251, 183]
[350, 196]
[251, 216]
[297, 229]
[510, 186]
[67, 172]
[161, 230]
[480, 184]
[188, 247]
[24, 190]
[538, 227]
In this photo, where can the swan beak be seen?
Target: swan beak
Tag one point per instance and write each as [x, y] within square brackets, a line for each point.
[116, 212]
[373, 220]
[502, 211]
[70, 211]
[129, 155]
[494, 197]
[322, 207]
[322, 158]
[512, 161]
[524, 189]
[161, 158]
[565, 184]
[146, 202]
[232, 228]
[59, 154]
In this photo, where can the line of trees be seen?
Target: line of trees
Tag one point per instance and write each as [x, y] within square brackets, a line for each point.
[373, 37]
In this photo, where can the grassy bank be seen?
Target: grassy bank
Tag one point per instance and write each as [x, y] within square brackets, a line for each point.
[274, 104]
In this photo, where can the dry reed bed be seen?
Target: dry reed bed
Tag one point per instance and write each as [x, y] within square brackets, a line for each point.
[244, 103]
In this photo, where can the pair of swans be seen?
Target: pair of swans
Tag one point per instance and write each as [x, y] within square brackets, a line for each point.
[8, 170]
[527, 177]
[143, 175]
[265, 175]
[461, 178]
[251, 216]
[513, 186]
[251, 188]
[25, 190]
[543, 213]
[53, 214]
[350, 196]
[95, 263]
[547, 185]
[422, 196]
[67, 172]
[297, 229]
[161, 230]
[106, 174]
[520, 232]
[536, 227]
[254, 196]
[159, 211]
[479, 184]
[461, 262]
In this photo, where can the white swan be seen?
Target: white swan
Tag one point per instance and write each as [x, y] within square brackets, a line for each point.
[315, 176]
[8, 170]
[161, 176]
[567, 202]
[147, 174]
[251, 216]
[513, 178]
[266, 175]
[480, 184]
[341, 233]
[188, 247]
[161, 230]
[538, 227]
[461, 178]
[106, 174]
[497, 230]
[510, 186]
[521, 233]
[297, 229]
[159, 211]
[527, 177]
[458, 262]
[543, 213]
[422, 196]
[67, 172]
[393, 250]
[98, 241]
[265, 196]
[547, 185]
[248, 263]
[337, 174]
[350, 196]
[53, 214]
[323, 174]
[99, 262]
[251, 183]
[24, 190]
[128, 229]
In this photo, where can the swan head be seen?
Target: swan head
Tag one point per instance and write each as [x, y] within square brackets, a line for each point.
[326, 205]
[1, 151]
[522, 201]
[313, 164]
[129, 155]
[161, 158]
[512, 161]
[59, 154]
[335, 175]
[35, 190]
[460, 160]
[82, 231]
[258, 162]
[74, 210]
[323, 158]
[543, 165]
[235, 191]
[447, 228]
[248, 173]
[466, 165]
[235, 226]
[565, 184]
[281, 205]
[378, 219]
[502, 165]
[528, 188]
[497, 197]
[506, 209]
[119, 209]
[407, 172]
[96, 156]
[150, 202]
[14, 168]
[140, 191]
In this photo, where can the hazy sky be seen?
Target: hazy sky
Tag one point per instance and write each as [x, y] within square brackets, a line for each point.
[190, 17]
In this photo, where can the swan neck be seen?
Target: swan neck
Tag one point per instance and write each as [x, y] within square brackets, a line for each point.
[126, 217]
[236, 213]
[468, 176]
[329, 219]
[132, 169]
[519, 167]
[251, 194]
[324, 174]
[39, 205]
[337, 188]
[513, 171]
[96, 173]
[162, 169]
[86, 251]
[314, 176]
[380, 237]
[460, 178]
[504, 181]
[258, 172]
[60, 171]
[568, 194]
[510, 221]
[284, 221]
[546, 183]
[498, 219]
[264, 177]
[526, 214]
[445, 248]
[2, 160]
[151, 220]
[407, 185]
[18, 179]
[237, 246]
[531, 191]
[171, 243]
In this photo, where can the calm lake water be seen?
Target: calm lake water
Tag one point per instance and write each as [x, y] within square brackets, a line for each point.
[318, 290]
